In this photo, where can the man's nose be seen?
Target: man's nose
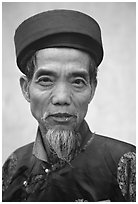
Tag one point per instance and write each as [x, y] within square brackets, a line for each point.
[61, 95]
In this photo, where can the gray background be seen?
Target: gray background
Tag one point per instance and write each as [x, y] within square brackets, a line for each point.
[113, 109]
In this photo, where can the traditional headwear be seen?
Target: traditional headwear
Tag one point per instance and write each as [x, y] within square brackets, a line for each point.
[57, 28]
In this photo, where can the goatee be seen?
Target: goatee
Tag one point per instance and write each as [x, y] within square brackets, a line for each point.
[63, 143]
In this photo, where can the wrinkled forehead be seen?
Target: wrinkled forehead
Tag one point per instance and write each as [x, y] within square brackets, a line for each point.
[64, 55]
[65, 60]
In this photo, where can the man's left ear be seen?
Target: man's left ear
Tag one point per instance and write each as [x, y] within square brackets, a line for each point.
[24, 83]
[92, 92]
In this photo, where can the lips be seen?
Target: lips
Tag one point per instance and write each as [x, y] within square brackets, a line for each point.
[62, 117]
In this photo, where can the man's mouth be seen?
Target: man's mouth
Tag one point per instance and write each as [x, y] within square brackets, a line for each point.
[62, 117]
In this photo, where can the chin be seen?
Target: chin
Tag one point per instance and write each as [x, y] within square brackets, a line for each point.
[63, 127]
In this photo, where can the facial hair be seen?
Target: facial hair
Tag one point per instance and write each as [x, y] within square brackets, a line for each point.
[63, 143]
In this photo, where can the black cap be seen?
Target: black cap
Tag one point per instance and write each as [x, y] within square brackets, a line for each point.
[57, 28]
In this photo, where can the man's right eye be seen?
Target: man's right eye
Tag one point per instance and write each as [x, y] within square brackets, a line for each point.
[45, 81]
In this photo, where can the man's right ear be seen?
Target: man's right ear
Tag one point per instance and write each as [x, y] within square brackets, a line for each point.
[24, 83]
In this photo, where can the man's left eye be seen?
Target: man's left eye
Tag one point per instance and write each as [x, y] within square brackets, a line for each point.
[79, 83]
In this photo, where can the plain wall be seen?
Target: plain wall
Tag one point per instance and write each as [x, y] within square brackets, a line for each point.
[113, 109]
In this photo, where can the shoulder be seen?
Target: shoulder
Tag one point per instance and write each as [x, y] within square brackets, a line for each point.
[111, 151]
[24, 151]
[114, 150]
[22, 154]
[20, 157]
[113, 146]
[119, 158]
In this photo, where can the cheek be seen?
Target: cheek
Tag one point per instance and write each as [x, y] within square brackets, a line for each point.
[38, 103]
[82, 101]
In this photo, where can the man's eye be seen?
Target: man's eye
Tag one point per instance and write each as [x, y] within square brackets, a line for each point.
[45, 81]
[79, 83]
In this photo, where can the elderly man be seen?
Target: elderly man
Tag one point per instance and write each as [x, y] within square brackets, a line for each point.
[59, 52]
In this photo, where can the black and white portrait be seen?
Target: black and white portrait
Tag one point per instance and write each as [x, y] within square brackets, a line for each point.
[68, 101]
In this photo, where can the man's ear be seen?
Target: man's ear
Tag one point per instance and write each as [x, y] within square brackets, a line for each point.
[93, 87]
[24, 83]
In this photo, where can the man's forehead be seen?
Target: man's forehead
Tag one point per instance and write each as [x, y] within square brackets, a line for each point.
[62, 54]
[65, 60]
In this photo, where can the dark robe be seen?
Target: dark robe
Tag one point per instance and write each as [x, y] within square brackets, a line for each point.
[104, 169]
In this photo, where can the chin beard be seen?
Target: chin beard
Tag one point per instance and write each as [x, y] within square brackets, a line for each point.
[63, 143]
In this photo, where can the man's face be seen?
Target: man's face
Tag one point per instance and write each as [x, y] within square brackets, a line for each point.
[60, 90]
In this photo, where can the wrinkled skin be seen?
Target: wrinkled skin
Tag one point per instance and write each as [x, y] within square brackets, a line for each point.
[60, 84]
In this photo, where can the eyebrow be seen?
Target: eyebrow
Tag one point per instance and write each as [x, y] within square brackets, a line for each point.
[79, 73]
[45, 72]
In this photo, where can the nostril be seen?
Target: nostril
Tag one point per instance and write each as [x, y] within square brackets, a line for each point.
[61, 101]
[61, 95]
